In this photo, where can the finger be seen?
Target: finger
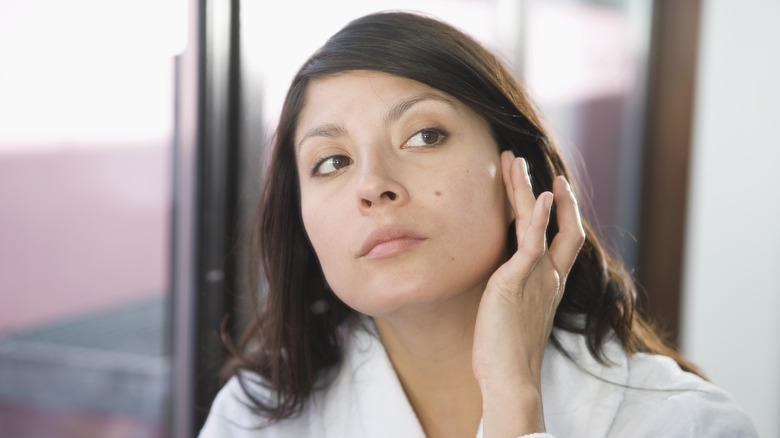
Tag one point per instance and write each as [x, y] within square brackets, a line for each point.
[534, 240]
[531, 248]
[571, 235]
[524, 199]
[507, 157]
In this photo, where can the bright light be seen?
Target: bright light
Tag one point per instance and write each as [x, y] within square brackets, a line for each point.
[81, 72]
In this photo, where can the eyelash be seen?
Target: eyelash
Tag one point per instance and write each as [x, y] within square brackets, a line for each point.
[439, 131]
[321, 161]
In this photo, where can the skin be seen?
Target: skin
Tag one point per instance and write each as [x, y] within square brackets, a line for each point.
[407, 201]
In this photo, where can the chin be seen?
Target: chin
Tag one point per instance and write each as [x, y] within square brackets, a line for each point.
[388, 300]
[384, 305]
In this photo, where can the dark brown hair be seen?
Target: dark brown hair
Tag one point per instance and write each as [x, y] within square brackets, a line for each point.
[293, 339]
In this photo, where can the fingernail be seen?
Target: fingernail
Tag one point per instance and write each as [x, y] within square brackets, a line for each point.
[548, 200]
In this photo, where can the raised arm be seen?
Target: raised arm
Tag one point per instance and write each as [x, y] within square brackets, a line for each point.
[518, 306]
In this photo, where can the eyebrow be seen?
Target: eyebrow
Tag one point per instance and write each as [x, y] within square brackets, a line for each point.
[398, 110]
[334, 130]
[327, 130]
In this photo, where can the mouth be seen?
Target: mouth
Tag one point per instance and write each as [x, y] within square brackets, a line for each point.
[389, 241]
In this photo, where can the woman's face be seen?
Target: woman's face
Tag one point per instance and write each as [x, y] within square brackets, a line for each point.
[401, 191]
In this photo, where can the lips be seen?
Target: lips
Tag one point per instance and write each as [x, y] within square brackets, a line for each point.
[388, 241]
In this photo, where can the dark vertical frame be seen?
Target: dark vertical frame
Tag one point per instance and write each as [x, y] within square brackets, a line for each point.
[186, 144]
[205, 207]
[218, 196]
[667, 150]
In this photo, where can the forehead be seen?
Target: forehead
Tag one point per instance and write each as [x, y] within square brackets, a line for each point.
[329, 99]
[381, 81]
[329, 94]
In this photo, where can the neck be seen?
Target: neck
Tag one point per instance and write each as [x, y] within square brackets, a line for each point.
[430, 348]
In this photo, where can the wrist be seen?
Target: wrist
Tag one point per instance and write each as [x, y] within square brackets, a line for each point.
[511, 408]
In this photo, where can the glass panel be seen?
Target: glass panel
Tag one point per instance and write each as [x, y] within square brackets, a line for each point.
[586, 64]
[85, 196]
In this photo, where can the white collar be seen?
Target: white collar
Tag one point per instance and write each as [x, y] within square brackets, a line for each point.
[367, 399]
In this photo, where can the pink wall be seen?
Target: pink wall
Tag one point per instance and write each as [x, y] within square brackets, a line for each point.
[81, 229]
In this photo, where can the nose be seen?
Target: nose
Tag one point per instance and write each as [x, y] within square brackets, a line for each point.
[379, 186]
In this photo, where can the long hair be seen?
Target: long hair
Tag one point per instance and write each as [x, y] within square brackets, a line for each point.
[293, 339]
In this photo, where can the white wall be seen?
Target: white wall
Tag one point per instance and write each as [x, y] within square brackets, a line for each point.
[731, 308]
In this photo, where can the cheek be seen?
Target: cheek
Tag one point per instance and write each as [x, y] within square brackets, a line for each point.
[476, 192]
[328, 236]
[476, 207]
[316, 224]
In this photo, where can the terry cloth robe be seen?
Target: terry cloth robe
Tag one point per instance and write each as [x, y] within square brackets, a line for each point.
[642, 396]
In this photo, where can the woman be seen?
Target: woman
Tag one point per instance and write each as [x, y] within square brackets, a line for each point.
[419, 281]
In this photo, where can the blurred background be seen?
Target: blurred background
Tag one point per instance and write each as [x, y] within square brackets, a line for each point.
[132, 143]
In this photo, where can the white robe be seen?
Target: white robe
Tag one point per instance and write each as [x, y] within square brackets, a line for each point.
[642, 396]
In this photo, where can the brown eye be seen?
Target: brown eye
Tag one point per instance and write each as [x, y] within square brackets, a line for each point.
[429, 137]
[426, 137]
[330, 165]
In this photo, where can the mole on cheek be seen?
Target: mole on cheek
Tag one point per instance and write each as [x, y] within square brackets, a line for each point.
[437, 193]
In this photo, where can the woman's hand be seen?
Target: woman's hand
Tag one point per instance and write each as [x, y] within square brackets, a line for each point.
[518, 306]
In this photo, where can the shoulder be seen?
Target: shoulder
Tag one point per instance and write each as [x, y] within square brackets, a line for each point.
[641, 395]
[361, 397]
[231, 413]
[663, 400]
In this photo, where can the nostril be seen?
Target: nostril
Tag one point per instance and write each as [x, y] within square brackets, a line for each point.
[390, 196]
